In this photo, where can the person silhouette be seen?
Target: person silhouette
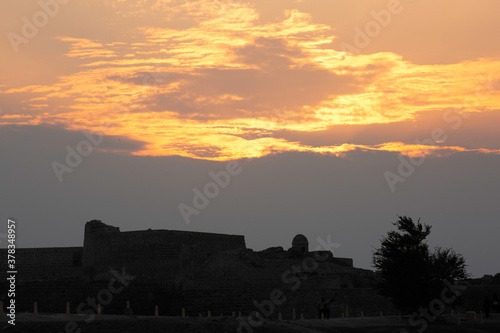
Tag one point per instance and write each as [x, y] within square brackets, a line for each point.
[321, 308]
[486, 306]
[495, 303]
[328, 308]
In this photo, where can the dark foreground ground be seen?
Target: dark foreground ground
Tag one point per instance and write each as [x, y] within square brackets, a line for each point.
[58, 323]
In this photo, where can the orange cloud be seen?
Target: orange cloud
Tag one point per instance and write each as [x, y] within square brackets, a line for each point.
[214, 90]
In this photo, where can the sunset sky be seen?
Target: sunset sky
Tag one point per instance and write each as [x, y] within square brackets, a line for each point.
[341, 115]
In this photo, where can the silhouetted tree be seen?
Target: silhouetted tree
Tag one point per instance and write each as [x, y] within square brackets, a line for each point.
[410, 275]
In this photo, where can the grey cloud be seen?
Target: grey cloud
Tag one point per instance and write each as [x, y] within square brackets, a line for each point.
[272, 199]
[479, 130]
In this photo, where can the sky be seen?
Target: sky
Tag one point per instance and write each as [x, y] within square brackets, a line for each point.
[329, 118]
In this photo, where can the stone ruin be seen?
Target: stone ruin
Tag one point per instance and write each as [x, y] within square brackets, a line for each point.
[196, 271]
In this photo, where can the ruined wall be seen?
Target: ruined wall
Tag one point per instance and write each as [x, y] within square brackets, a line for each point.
[52, 296]
[234, 280]
[197, 271]
[475, 292]
[44, 264]
[150, 254]
[345, 261]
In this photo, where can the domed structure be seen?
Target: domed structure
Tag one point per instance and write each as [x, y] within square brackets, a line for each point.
[300, 244]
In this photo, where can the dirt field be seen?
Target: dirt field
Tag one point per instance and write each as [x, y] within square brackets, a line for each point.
[58, 323]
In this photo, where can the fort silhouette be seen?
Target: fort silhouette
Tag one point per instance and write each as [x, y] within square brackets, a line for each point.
[196, 271]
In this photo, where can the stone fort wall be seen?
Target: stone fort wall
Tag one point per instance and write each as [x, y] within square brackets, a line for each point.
[155, 255]
[45, 264]
[51, 297]
[175, 269]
